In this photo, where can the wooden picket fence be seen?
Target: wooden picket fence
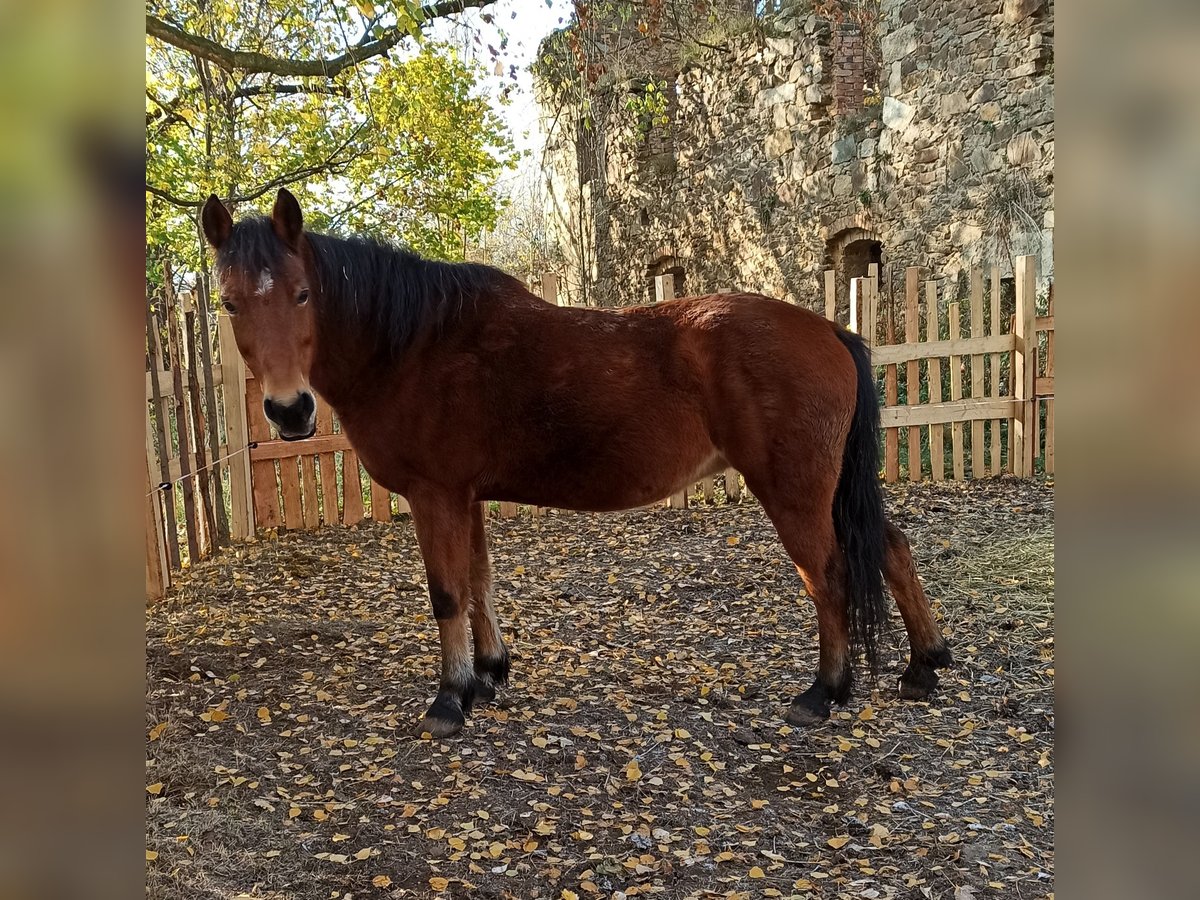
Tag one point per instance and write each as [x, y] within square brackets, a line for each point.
[968, 393]
[997, 415]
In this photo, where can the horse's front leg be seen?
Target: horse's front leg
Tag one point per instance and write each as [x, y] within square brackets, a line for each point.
[443, 525]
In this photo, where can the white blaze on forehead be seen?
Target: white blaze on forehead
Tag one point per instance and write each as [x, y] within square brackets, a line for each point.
[265, 283]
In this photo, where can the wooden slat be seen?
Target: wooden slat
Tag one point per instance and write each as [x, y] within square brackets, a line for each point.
[733, 486]
[550, 289]
[158, 571]
[508, 510]
[289, 484]
[831, 295]
[873, 293]
[352, 501]
[211, 377]
[381, 502]
[912, 375]
[402, 507]
[310, 496]
[1043, 386]
[937, 460]
[978, 462]
[707, 488]
[264, 485]
[1049, 459]
[858, 291]
[891, 393]
[1023, 368]
[200, 431]
[1048, 382]
[182, 427]
[956, 430]
[997, 462]
[237, 431]
[167, 497]
[328, 465]
[901, 353]
[952, 411]
[320, 443]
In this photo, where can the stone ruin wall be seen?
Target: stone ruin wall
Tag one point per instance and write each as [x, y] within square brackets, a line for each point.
[764, 178]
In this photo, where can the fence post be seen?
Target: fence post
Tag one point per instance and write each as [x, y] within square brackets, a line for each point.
[978, 469]
[830, 295]
[1024, 367]
[237, 431]
[550, 289]
[997, 466]
[858, 304]
[157, 569]
[937, 458]
[664, 289]
[912, 375]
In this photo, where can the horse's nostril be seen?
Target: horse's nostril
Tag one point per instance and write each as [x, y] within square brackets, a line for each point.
[293, 416]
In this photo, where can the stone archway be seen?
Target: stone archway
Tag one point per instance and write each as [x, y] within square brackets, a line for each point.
[850, 251]
[664, 262]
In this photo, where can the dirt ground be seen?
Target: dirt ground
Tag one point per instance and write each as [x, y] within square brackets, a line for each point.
[640, 748]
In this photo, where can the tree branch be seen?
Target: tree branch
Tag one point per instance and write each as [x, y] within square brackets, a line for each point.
[258, 90]
[253, 62]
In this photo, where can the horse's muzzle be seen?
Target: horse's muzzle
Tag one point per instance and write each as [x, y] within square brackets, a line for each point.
[295, 419]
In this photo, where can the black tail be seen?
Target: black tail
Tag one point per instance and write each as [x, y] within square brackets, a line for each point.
[858, 509]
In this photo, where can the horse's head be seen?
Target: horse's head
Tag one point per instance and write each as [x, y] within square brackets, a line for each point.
[265, 278]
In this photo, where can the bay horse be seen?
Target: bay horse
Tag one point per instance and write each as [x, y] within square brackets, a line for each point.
[456, 385]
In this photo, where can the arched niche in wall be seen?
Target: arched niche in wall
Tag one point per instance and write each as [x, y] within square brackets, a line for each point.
[849, 252]
[665, 262]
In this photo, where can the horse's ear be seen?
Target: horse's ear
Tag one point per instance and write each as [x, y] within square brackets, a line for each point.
[286, 218]
[216, 221]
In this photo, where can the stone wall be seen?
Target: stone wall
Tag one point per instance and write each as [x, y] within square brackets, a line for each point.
[759, 183]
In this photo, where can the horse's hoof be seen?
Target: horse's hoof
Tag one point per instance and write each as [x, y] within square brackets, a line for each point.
[485, 691]
[443, 719]
[439, 727]
[805, 716]
[918, 683]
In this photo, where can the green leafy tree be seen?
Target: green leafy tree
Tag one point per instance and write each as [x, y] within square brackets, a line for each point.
[373, 127]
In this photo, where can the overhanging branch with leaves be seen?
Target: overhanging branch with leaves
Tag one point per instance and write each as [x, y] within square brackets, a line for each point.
[254, 62]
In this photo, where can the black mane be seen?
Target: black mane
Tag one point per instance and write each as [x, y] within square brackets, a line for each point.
[366, 283]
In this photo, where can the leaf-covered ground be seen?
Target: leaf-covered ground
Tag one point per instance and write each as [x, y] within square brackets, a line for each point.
[639, 749]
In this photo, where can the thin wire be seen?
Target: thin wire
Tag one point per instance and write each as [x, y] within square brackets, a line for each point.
[168, 485]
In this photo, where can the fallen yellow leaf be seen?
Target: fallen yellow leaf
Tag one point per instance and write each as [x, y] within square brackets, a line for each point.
[381, 881]
[438, 883]
[155, 788]
[633, 771]
[757, 872]
[838, 842]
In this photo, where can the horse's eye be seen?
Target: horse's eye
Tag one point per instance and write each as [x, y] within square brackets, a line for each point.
[303, 298]
[229, 307]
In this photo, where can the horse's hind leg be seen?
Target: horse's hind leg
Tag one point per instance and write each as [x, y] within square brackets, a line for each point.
[928, 649]
[491, 656]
